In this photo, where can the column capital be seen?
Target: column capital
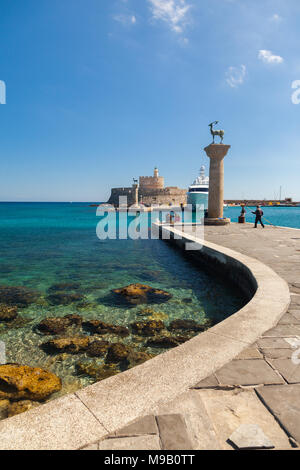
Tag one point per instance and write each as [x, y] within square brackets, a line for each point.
[217, 151]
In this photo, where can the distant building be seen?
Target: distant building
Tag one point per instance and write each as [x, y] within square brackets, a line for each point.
[151, 190]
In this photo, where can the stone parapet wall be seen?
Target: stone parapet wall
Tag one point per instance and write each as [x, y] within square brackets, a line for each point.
[149, 196]
[118, 192]
[163, 199]
[152, 182]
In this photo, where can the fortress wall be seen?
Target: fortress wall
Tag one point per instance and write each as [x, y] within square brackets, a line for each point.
[117, 192]
[164, 196]
[152, 182]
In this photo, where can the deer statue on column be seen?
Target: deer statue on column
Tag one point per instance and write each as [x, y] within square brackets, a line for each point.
[215, 133]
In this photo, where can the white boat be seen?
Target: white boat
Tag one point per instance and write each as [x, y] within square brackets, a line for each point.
[198, 191]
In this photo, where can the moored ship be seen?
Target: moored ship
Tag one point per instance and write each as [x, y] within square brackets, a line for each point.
[197, 194]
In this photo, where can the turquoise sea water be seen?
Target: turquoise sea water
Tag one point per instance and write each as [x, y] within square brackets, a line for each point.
[46, 244]
[281, 216]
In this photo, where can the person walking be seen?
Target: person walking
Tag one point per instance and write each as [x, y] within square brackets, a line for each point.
[258, 215]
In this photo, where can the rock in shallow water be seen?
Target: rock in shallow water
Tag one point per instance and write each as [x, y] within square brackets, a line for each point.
[147, 328]
[189, 325]
[23, 382]
[136, 358]
[17, 296]
[101, 328]
[117, 352]
[62, 298]
[73, 345]
[4, 404]
[142, 294]
[64, 286]
[58, 325]
[8, 313]
[20, 407]
[96, 371]
[163, 342]
[98, 348]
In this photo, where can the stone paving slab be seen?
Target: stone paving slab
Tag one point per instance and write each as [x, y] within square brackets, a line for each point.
[284, 403]
[288, 370]
[248, 372]
[249, 437]
[283, 331]
[131, 443]
[289, 319]
[228, 410]
[295, 313]
[200, 428]
[146, 425]
[173, 432]
[273, 343]
[209, 382]
[277, 353]
[295, 300]
[250, 353]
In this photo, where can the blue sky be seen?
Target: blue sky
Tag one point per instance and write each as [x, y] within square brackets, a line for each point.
[101, 91]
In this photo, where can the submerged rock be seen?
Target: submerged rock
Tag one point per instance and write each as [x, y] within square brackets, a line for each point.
[8, 313]
[63, 298]
[136, 358]
[20, 407]
[74, 345]
[98, 348]
[142, 294]
[117, 352]
[163, 342]
[23, 382]
[4, 404]
[189, 325]
[58, 325]
[64, 286]
[187, 300]
[17, 296]
[146, 311]
[19, 322]
[101, 328]
[96, 371]
[148, 328]
[73, 319]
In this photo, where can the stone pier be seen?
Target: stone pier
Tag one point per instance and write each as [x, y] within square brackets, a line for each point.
[216, 154]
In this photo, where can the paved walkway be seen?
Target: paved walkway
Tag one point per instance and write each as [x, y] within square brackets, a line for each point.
[252, 402]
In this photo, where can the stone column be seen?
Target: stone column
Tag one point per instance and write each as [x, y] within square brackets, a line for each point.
[216, 153]
[135, 190]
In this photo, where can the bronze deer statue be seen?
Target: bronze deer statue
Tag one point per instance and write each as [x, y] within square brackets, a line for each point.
[215, 133]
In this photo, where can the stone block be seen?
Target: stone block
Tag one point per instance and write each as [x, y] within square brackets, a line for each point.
[284, 403]
[250, 436]
[173, 432]
[146, 425]
[248, 372]
[131, 443]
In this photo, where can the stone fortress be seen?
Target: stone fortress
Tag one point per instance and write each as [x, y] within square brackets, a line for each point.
[149, 191]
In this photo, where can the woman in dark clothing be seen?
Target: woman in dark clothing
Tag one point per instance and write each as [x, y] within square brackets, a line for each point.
[258, 215]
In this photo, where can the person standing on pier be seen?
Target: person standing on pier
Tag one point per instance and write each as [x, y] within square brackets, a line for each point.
[258, 215]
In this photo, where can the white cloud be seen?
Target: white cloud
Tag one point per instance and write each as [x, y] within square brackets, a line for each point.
[125, 19]
[172, 12]
[276, 18]
[269, 58]
[235, 76]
